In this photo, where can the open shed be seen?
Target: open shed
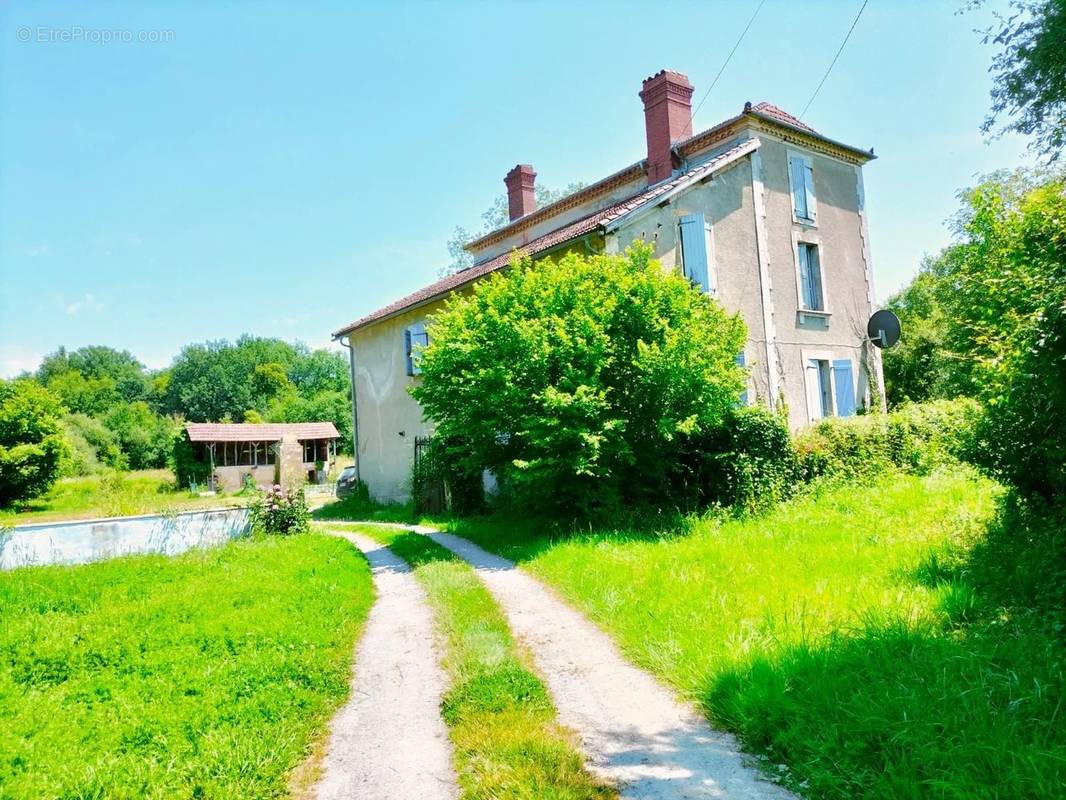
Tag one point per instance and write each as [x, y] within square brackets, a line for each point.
[288, 453]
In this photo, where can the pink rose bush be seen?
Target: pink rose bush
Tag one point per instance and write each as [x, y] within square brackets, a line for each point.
[279, 511]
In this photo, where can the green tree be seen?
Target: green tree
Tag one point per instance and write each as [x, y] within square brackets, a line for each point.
[319, 371]
[146, 438]
[81, 395]
[577, 381]
[98, 363]
[1029, 73]
[1003, 291]
[31, 440]
[90, 446]
[496, 216]
[335, 407]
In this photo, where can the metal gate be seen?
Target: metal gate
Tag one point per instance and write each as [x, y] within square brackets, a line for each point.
[428, 485]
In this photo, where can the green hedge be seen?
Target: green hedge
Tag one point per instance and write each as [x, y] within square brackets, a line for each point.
[917, 438]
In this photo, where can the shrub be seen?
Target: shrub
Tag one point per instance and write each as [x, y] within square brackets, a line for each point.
[917, 438]
[747, 462]
[188, 469]
[147, 438]
[91, 446]
[31, 440]
[279, 511]
[575, 381]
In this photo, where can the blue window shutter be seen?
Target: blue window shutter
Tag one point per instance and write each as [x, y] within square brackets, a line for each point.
[742, 362]
[802, 251]
[810, 204]
[845, 386]
[814, 275]
[407, 351]
[694, 249]
[799, 187]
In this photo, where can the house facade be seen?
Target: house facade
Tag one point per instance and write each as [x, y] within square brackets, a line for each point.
[760, 211]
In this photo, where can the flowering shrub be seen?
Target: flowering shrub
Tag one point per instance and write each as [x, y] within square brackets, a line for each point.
[280, 511]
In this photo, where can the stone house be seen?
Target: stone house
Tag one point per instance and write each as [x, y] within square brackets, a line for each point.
[761, 211]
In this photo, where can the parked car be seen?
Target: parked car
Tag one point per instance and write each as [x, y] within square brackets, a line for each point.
[346, 481]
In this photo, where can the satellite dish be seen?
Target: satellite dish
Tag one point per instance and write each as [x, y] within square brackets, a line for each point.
[883, 328]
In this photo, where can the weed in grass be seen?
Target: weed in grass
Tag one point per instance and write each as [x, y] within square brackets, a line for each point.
[900, 640]
[203, 675]
[501, 719]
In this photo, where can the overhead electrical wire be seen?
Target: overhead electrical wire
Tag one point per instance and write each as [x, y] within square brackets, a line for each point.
[834, 61]
[725, 64]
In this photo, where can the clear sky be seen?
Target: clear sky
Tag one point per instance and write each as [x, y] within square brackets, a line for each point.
[283, 168]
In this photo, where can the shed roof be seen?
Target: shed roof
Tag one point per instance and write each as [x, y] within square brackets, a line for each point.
[265, 432]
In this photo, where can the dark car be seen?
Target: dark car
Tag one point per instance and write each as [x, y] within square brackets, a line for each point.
[346, 481]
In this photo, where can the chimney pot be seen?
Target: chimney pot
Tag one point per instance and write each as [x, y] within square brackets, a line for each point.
[521, 199]
[667, 97]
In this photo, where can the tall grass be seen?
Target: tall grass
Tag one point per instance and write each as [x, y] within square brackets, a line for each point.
[206, 675]
[501, 719]
[868, 638]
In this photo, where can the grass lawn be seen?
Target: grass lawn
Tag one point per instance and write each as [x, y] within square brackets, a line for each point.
[112, 495]
[903, 640]
[501, 719]
[206, 675]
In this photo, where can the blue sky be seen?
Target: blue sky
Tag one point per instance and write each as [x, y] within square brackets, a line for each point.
[284, 168]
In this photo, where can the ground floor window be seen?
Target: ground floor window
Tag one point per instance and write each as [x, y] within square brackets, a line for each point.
[831, 390]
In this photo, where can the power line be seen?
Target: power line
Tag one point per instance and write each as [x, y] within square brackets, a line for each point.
[834, 61]
[724, 65]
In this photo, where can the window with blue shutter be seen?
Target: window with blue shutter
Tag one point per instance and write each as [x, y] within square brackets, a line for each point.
[694, 255]
[742, 362]
[845, 387]
[810, 277]
[801, 176]
[415, 338]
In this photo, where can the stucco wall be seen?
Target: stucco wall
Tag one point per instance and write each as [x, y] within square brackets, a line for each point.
[389, 418]
[838, 234]
[726, 203]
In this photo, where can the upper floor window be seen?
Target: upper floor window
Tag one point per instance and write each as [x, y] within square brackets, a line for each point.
[812, 298]
[696, 250]
[801, 179]
[415, 338]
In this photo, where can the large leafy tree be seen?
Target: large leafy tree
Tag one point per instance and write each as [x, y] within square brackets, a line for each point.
[31, 441]
[1030, 74]
[104, 365]
[577, 380]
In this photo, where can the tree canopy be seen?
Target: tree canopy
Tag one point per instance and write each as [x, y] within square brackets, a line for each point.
[577, 380]
[31, 440]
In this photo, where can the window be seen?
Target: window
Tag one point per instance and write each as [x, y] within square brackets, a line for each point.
[818, 376]
[742, 362]
[414, 339]
[696, 250]
[810, 277]
[801, 179]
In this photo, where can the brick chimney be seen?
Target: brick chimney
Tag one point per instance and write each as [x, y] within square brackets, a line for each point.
[520, 197]
[667, 100]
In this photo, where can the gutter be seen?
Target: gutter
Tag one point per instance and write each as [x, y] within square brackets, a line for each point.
[346, 341]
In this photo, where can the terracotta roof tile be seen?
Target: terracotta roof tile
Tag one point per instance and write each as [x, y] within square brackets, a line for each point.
[772, 111]
[266, 432]
[559, 236]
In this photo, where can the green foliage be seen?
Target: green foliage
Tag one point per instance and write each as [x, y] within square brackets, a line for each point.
[205, 675]
[280, 511]
[91, 446]
[146, 438]
[188, 469]
[748, 462]
[499, 714]
[83, 395]
[1030, 73]
[324, 406]
[916, 438]
[576, 380]
[117, 369]
[31, 440]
